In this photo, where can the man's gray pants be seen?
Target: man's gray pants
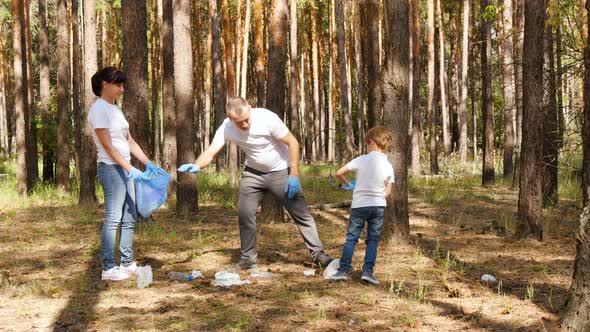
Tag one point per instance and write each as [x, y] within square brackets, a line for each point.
[253, 185]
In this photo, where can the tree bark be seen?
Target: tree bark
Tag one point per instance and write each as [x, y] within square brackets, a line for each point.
[32, 162]
[186, 191]
[230, 70]
[576, 313]
[462, 110]
[259, 48]
[218, 75]
[360, 73]
[168, 102]
[244, 55]
[331, 86]
[395, 91]
[416, 130]
[446, 131]
[293, 74]
[509, 88]
[88, 151]
[315, 83]
[531, 175]
[344, 101]
[45, 95]
[487, 101]
[374, 101]
[155, 80]
[135, 63]
[518, 46]
[63, 98]
[560, 107]
[77, 100]
[431, 92]
[550, 127]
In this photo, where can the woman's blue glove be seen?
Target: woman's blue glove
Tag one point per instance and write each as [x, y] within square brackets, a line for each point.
[135, 174]
[351, 185]
[151, 168]
[293, 186]
[193, 168]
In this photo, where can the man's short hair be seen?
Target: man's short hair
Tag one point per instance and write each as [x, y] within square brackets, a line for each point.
[236, 106]
[381, 136]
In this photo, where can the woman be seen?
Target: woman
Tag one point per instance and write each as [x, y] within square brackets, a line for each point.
[114, 145]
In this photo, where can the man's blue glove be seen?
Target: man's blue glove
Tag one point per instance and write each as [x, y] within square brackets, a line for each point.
[193, 168]
[135, 174]
[151, 168]
[293, 186]
[350, 186]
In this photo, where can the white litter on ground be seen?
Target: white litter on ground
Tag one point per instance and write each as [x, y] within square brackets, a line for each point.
[332, 268]
[261, 274]
[228, 279]
[309, 273]
[144, 276]
[488, 278]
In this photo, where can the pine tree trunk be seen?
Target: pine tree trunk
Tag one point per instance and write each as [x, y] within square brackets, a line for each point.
[219, 85]
[208, 84]
[63, 98]
[462, 110]
[560, 106]
[360, 73]
[331, 86]
[230, 70]
[77, 103]
[509, 88]
[586, 118]
[443, 81]
[244, 54]
[396, 87]
[88, 151]
[416, 112]
[576, 313]
[531, 175]
[293, 74]
[155, 80]
[168, 102]
[32, 162]
[344, 100]
[550, 127]
[431, 92]
[4, 146]
[259, 53]
[315, 82]
[487, 101]
[135, 63]
[186, 191]
[374, 101]
[518, 46]
[45, 95]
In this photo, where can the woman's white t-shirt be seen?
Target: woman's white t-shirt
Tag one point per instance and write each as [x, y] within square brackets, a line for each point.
[373, 173]
[105, 115]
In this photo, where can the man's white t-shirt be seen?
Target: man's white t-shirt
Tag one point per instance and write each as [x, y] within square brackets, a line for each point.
[105, 115]
[373, 173]
[265, 152]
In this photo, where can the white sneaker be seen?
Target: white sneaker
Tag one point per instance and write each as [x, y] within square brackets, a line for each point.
[115, 274]
[130, 269]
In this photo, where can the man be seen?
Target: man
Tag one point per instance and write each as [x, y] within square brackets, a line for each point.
[272, 164]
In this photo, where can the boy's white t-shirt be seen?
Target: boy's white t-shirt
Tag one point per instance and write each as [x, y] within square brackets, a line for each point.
[265, 152]
[373, 172]
[105, 115]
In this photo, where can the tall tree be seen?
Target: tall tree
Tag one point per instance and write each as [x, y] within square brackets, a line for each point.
[360, 72]
[416, 130]
[315, 61]
[509, 87]
[63, 97]
[431, 92]
[226, 27]
[260, 66]
[88, 153]
[518, 47]
[395, 91]
[446, 124]
[168, 102]
[331, 88]
[487, 101]
[550, 126]
[293, 72]
[76, 54]
[344, 100]
[531, 175]
[45, 95]
[218, 74]
[32, 162]
[462, 110]
[244, 54]
[374, 101]
[186, 190]
[135, 63]
[155, 79]
[4, 113]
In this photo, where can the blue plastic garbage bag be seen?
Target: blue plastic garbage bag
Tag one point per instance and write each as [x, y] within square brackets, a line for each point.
[151, 193]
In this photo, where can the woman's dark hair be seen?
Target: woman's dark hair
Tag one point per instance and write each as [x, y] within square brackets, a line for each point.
[109, 75]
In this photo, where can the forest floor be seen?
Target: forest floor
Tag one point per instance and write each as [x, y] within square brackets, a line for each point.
[459, 231]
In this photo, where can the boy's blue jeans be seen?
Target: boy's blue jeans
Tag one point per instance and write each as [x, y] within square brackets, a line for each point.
[119, 205]
[373, 216]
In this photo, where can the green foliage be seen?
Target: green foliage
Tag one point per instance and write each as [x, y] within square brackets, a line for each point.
[490, 13]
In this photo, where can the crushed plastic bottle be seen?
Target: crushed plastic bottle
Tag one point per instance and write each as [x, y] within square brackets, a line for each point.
[144, 276]
[309, 273]
[180, 276]
[228, 279]
[261, 274]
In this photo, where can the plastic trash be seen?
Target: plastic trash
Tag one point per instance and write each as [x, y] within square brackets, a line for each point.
[144, 276]
[309, 273]
[151, 193]
[228, 279]
[332, 268]
[180, 276]
[261, 274]
[488, 278]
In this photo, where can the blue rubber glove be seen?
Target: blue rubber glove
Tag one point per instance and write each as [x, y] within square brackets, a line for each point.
[349, 187]
[151, 168]
[293, 186]
[135, 174]
[193, 168]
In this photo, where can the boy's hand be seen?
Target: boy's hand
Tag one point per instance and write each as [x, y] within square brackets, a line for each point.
[293, 186]
[350, 187]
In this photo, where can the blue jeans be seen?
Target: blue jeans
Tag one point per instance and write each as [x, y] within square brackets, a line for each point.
[373, 215]
[119, 205]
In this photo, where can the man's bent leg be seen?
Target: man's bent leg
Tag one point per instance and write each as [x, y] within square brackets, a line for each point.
[251, 191]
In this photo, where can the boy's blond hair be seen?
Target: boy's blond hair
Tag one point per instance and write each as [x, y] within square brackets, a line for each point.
[381, 136]
[236, 106]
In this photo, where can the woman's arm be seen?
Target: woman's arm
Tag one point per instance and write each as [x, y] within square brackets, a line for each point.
[104, 137]
[136, 151]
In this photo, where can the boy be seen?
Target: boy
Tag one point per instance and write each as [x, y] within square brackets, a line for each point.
[370, 191]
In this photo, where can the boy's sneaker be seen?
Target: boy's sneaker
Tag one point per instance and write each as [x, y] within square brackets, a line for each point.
[323, 259]
[246, 265]
[130, 269]
[115, 274]
[340, 275]
[370, 277]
